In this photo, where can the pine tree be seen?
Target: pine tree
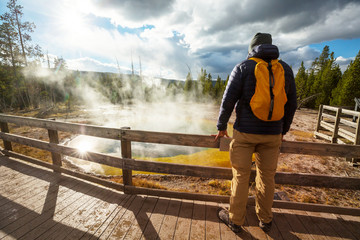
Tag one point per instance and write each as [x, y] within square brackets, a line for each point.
[188, 83]
[329, 78]
[300, 81]
[23, 29]
[349, 87]
[325, 76]
[218, 88]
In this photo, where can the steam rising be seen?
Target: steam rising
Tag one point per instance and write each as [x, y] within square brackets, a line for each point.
[146, 104]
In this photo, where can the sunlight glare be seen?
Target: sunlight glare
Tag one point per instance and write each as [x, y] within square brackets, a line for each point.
[83, 147]
[71, 20]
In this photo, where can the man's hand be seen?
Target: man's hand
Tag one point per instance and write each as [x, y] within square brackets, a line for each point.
[221, 134]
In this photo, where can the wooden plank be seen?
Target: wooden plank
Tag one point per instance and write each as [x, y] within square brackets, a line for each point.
[5, 128]
[327, 126]
[183, 226]
[318, 124]
[65, 150]
[331, 117]
[340, 229]
[178, 169]
[336, 126]
[350, 112]
[36, 204]
[212, 225]
[180, 195]
[33, 189]
[330, 108]
[127, 219]
[320, 149]
[315, 180]
[142, 219]
[297, 228]
[82, 221]
[83, 129]
[352, 223]
[357, 131]
[21, 181]
[126, 153]
[347, 135]
[67, 216]
[105, 231]
[92, 227]
[54, 138]
[310, 226]
[167, 229]
[83, 176]
[7, 171]
[170, 138]
[314, 207]
[281, 228]
[281, 178]
[198, 221]
[348, 123]
[325, 227]
[156, 219]
[322, 135]
[317, 149]
[31, 220]
[113, 133]
[53, 213]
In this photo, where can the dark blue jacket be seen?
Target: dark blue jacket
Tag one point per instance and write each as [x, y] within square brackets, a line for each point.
[241, 88]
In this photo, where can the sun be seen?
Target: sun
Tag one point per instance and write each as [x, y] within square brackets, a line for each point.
[83, 147]
[71, 20]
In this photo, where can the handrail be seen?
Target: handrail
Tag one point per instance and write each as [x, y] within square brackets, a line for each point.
[128, 164]
[330, 123]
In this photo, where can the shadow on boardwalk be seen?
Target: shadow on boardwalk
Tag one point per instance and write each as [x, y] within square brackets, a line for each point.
[36, 203]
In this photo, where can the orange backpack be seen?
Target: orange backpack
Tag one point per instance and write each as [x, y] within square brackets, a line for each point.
[269, 98]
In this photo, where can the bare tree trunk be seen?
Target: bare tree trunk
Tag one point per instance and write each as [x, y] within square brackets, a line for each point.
[20, 36]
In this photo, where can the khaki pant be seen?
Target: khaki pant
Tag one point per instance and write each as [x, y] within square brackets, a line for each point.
[266, 149]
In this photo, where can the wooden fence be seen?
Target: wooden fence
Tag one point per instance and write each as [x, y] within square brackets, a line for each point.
[337, 126]
[128, 164]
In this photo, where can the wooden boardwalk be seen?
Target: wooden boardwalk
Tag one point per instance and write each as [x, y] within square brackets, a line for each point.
[35, 203]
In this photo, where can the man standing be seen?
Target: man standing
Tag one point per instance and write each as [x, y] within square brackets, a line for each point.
[252, 135]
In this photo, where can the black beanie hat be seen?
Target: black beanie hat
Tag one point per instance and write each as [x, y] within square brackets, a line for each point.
[260, 38]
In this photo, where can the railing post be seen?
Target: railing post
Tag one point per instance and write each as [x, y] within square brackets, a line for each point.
[5, 128]
[357, 100]
[56, 157]
[318, 125]
[126, 153]
[357, 139]
[336, 126]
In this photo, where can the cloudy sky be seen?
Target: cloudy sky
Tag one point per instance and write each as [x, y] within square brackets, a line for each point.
[172, 37]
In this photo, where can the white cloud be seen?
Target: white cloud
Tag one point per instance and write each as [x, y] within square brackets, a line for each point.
[89, 64]
[344, 62]
[210, 34]
[303, 54]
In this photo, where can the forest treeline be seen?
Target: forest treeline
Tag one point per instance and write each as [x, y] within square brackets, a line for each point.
[324, 83]
[28, 79]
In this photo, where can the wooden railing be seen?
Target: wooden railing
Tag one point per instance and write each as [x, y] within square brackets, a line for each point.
[128, 164]
[337, 126]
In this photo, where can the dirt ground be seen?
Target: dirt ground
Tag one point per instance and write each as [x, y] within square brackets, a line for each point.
[301, 130]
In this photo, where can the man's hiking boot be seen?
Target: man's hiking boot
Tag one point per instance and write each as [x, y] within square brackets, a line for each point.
[223, 215]
[265, 226]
